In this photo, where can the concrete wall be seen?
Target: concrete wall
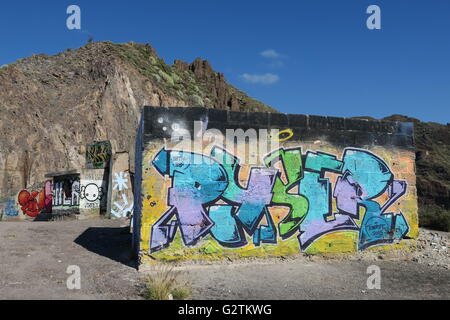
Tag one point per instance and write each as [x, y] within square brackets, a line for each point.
[66, 195]
[28, 203]
[121, 198]
[93, 192]
[323, 184]
[98, 155]
[137, 190]
[9, 209]
[79, 193]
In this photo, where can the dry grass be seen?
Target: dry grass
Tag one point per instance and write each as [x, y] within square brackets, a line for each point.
[166, 284]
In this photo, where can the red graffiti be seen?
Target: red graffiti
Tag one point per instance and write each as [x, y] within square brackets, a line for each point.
[32, 204]
[36, 202]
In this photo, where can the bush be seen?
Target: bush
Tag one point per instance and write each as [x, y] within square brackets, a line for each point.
[434, 217]
[165, 284]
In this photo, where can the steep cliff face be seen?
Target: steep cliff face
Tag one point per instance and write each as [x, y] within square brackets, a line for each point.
[52, 106]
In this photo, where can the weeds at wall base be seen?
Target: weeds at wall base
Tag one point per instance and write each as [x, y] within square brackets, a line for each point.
[165, 283]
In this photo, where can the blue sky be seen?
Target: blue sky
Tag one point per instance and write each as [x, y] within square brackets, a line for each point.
[309, 57]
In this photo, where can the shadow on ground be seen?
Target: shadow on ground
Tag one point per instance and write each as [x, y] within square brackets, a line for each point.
[113, 243]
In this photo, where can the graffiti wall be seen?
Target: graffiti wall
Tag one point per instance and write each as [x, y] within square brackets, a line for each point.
[8, 209]
[121, 203]
[34, 201]
[93, 191]
[66, 194]
[98, 155]
[282, 184]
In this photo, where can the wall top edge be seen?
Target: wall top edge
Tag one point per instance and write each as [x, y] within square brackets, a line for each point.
[264, 119]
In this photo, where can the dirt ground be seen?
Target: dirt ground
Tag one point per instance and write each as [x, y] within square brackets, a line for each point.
[34, 258]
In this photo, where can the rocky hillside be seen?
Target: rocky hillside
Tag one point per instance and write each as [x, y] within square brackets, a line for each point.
[51, 106]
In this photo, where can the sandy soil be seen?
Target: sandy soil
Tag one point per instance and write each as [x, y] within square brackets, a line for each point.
[34, 258]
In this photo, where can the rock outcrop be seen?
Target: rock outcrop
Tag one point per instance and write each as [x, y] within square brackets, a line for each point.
[52, 106]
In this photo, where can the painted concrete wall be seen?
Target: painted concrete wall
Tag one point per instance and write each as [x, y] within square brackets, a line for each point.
[93, 192]
[9, 209]
[28, 203]
[98, 155]
[66, 195]
[326, 185]
[81, 194]
[121, 198]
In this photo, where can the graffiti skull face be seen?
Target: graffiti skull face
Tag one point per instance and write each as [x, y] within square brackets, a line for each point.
[91, 192]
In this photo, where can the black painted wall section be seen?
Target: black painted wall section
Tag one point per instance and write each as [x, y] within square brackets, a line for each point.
[343, 132]
[137, 193]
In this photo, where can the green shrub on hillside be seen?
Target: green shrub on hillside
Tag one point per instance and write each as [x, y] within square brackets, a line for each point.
[434, 217]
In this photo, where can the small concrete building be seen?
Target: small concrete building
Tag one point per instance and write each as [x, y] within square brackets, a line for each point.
[103, 186]
[82, 194]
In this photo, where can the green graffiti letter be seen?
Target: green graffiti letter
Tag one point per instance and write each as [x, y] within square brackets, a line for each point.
[291, 160]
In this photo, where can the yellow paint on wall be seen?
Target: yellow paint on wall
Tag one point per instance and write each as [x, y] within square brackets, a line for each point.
[344, 241]
[155, 192]
[209, 249]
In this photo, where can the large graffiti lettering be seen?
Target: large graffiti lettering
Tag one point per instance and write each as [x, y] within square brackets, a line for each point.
[207, 197]
[252, 201]
[194, 187]
[291, 161]
[66, 191]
